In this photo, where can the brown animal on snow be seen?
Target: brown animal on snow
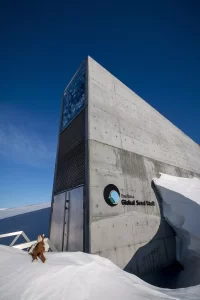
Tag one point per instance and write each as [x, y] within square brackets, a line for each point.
[39, 249]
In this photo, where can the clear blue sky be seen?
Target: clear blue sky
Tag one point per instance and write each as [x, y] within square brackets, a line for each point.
[151, 46]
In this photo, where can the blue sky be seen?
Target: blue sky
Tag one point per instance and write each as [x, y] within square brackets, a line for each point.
[151, 46]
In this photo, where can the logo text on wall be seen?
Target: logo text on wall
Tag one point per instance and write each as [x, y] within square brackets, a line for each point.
[112, 197]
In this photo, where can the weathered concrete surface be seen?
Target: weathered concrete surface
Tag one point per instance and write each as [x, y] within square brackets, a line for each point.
[120, 118]
[136, 238]
[129, 144]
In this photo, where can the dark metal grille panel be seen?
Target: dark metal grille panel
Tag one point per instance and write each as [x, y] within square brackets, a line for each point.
[71, 156]
[72, 136]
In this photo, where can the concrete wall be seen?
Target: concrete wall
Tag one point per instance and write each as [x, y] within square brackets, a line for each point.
[129, 144]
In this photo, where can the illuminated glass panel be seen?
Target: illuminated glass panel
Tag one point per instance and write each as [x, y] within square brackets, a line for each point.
[74, 98]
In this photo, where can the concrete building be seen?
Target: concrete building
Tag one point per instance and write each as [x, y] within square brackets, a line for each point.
[111, 145]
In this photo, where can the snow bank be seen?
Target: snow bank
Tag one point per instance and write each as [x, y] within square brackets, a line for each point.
[75, 276]
[11, 212]
[181, 209]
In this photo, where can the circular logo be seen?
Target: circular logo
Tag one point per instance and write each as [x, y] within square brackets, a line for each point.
[111, 195]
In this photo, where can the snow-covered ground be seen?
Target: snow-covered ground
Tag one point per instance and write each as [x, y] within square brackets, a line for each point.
[83, 276]
[75, 276]
[181, 209]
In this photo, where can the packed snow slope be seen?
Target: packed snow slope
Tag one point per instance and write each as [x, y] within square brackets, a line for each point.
[32, 219]
[181, 209]
[12, 212]
[75, 276]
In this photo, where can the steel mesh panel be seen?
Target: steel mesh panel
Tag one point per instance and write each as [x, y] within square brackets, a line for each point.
[72, 136]
[71, 156]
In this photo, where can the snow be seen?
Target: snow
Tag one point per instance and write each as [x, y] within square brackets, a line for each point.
[181, 209]
[11, 212]
[78, 276]
[75, 276]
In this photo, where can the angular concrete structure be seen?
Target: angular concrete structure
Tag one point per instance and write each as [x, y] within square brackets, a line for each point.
[111, 144]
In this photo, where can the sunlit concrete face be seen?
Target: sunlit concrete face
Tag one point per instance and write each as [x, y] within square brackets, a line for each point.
[113, 144]
[129, 144]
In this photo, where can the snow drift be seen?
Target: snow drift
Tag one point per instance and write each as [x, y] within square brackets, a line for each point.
[12, 212]
[75, 276]
[181, 209]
